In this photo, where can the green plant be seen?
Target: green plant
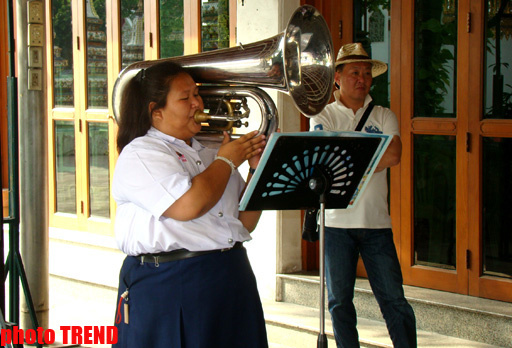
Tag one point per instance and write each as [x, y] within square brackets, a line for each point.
[171, 28]
[435, 50]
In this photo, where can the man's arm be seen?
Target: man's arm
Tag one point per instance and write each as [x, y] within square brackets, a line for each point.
[392, 155]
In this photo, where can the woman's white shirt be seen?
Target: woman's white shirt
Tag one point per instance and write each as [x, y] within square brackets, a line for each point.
[152, 172]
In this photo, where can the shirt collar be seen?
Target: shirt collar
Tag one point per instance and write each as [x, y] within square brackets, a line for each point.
[153, 132]
[336, 93]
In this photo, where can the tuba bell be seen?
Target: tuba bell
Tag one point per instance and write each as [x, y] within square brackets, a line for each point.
[298, 62]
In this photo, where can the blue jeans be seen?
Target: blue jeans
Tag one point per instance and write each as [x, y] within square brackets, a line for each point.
[342, 248]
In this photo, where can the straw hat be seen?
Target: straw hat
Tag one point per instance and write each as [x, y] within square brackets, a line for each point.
[354, 52]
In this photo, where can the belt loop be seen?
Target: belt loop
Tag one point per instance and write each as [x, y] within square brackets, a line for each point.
[142, 260]
[156, 261]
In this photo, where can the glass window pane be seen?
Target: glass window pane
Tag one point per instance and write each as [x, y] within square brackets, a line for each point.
[171, 28]
[132, 31]
[65, 167]
[498, 60]
[99, 189]
[435, 56]
[97, 88]
[62, 54]
[434, 201]
[371, 28]
[214, 24]
[497, 205]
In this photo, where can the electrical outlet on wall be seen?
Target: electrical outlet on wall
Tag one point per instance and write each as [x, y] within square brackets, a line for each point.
[35, 57]
[35, 34]
[35, 79]
[35, 11]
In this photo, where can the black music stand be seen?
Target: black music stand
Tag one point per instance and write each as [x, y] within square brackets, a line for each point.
[314, 170]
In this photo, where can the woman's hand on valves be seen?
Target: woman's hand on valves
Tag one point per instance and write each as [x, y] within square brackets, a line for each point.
[243, 148]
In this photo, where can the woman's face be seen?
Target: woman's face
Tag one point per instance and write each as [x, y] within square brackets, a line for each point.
[176, 118]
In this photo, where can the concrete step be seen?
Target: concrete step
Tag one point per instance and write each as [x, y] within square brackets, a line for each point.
[295, 326]
[468, 318]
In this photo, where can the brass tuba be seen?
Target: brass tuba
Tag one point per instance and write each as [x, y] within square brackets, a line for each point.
[299, 62]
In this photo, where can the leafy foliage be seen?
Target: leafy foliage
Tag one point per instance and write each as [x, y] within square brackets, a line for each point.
[171, 28]
[433, 58]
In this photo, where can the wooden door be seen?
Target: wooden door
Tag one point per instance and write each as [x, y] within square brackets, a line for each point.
[490, 149]
[456, 136]
[433, 137]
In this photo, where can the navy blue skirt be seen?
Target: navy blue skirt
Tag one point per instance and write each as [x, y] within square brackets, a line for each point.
[207, 301]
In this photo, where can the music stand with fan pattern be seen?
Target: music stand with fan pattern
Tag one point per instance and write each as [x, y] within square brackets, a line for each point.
[314, 170]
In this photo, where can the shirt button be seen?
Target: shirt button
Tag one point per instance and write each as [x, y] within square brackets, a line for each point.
[198, 163]
[220, 214]
[230, 241]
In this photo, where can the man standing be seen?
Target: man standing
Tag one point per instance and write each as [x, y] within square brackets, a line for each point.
[366, 228]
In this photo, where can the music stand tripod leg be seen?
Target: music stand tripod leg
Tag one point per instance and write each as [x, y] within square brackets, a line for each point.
[321, 184]
[322, 338]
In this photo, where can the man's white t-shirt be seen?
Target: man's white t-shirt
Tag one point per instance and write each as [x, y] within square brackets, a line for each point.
[371, 209]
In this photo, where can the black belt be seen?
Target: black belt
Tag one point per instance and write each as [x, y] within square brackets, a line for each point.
[180, 254]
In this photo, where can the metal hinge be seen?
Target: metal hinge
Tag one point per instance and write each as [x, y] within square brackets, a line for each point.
[81, 207]
[340, 29]
[468, 23]
[468, 259]
[150, 39]
[468, 142]
[78, 43]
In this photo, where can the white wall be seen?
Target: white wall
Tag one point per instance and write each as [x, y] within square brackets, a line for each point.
[276, 241]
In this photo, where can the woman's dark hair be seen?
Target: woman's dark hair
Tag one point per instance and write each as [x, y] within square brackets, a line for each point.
[149, 85]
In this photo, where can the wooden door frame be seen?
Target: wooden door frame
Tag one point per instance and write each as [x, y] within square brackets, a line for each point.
[395, 73]
[479, 284]
[80, 115]
[446, 280]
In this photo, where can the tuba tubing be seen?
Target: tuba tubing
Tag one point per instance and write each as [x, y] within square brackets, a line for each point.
[267, 108]
[265, 103]
[299, 62]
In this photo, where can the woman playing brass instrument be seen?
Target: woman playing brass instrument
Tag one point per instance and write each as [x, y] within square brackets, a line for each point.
[186, 280]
